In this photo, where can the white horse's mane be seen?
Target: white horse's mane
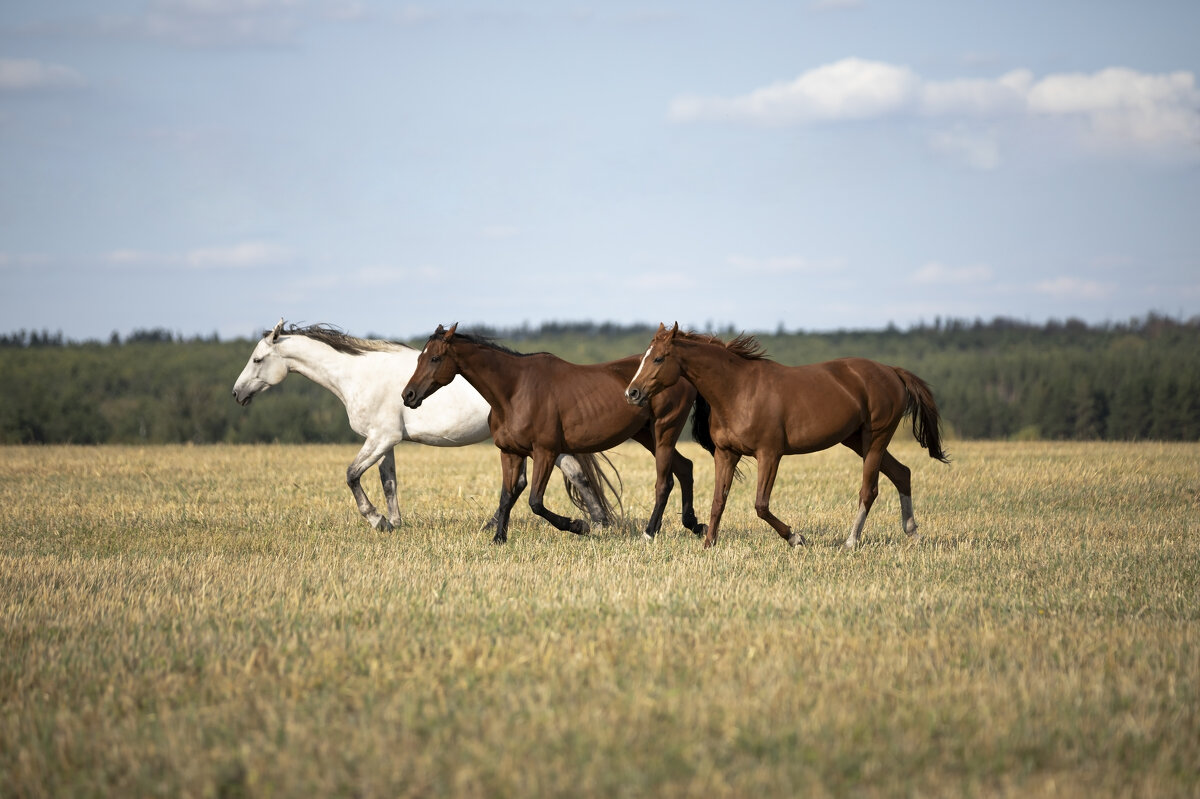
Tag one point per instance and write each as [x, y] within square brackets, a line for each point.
[343, 342]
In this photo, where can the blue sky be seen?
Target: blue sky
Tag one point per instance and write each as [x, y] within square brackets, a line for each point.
[211, 165]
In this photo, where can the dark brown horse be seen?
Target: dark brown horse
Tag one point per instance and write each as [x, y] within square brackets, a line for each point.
[543, 406]
[761, 408]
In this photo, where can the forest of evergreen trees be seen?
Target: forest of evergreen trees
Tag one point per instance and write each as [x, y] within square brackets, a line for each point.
[1001, 379]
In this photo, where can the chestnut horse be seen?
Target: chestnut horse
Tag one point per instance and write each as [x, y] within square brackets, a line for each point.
[543, 406]
[761, 408]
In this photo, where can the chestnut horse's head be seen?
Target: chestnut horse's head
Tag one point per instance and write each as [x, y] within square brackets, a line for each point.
[436, 367]
[659, 369]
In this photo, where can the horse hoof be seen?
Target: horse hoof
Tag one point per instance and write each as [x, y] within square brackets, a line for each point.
[499, 539]
[647, 536]
[797, 540]
[700, 530]
[850, 544]
[382, 525]
[579, 527]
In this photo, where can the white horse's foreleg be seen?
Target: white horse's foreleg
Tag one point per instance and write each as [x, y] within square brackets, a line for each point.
[573, 473]
[371, 452]
[387, 477]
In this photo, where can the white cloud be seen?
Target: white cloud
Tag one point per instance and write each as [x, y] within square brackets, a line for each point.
[976, 149]
[1075, 288]
[976, 98]
[247, 255]
[1114, 108]
[25, 260]
[781, 265]
[848, 89]
[22, 74]
[1122, 106]
[934, 272]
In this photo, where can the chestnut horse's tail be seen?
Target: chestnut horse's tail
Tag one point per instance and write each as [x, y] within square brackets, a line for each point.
[926, 423]
[600, 483]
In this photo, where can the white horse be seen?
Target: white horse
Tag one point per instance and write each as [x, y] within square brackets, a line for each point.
[368, 376]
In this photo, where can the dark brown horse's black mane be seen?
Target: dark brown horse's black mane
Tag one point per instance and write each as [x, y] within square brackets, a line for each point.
[744, 345]
[490, 343]
[339, 340]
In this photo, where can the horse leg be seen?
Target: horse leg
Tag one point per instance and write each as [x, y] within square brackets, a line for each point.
[543, 464]
[494, 522]
[901, 477]
[387, 477]
[725, 461]
[768, 468]
[682, 468]
[663, 481]
[372, 450]
[573, 472]
[872, 460]
[512, 468]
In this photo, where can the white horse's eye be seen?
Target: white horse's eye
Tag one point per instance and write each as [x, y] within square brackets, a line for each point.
[258, 360]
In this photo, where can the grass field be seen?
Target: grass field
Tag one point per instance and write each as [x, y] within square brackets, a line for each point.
[219, 621]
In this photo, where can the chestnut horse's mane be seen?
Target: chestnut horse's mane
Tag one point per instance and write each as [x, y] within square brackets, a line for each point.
[744, 346]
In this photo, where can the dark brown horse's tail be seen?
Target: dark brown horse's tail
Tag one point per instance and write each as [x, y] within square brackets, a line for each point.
[702, 433]
[926, 423]
[600, 483]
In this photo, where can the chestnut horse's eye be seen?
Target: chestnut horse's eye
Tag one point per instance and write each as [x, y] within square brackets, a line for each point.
[435, 359]
[659, 359]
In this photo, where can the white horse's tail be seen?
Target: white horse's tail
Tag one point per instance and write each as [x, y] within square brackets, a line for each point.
[600, 483]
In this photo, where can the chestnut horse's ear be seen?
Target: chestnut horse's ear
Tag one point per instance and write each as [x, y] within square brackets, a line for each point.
[278, 329]
[449, 334]
[675, 330]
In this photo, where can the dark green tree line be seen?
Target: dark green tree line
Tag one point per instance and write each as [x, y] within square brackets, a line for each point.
[1000, 379]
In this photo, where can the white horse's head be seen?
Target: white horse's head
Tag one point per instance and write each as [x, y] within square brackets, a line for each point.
[265, 368]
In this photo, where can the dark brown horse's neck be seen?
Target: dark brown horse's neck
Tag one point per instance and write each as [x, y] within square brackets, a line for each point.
[492, 372]
[712, 370]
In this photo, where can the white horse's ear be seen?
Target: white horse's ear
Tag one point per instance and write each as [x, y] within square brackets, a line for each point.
[449, 334]
[278, 329]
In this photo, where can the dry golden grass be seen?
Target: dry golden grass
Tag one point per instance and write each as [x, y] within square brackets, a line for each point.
[217, 621]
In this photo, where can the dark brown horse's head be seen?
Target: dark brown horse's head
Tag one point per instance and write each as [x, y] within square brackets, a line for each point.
[659, 368]
[436, 367]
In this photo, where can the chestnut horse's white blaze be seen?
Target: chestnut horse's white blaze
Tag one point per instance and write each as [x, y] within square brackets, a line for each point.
[368, 376]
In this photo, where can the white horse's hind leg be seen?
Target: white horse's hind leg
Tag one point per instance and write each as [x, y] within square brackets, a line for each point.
[387, 477]
[371, 452]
